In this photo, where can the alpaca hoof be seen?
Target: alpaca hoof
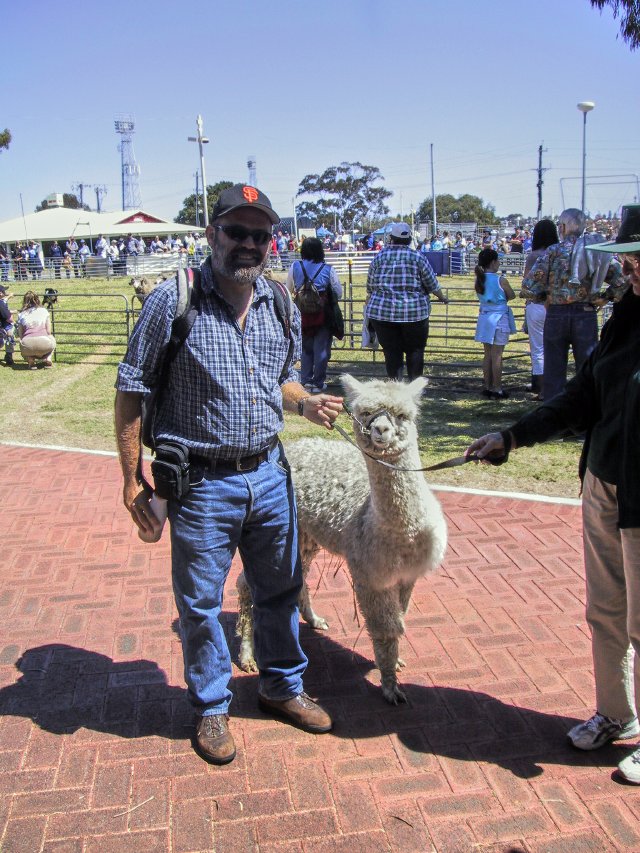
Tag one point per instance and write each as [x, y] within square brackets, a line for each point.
[246, 661]
[247, 664]
[393, 694]
[400, 664]
[318, 623]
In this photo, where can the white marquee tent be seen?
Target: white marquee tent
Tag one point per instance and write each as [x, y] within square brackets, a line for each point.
[60, 223]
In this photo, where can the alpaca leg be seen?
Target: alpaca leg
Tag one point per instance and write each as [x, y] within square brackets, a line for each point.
[404, 591]
[308, 550]
[308, 614]
[383, 617]
[244, 626]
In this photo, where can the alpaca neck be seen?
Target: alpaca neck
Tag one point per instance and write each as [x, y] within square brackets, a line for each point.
[396, 494]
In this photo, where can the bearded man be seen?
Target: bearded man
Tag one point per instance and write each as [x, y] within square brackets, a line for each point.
[223, 399]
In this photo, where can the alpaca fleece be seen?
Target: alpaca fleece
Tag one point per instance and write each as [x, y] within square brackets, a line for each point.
[386, 523]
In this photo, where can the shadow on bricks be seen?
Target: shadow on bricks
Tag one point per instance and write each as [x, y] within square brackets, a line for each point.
[63, 688]
[461, 724]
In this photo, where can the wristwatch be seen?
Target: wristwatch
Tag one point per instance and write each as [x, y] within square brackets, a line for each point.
[301, 406]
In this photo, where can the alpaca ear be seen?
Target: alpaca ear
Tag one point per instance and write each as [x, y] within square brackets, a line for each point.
[350, 385]
[416, 387]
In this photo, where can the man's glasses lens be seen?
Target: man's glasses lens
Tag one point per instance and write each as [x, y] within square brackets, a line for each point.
[238, 233]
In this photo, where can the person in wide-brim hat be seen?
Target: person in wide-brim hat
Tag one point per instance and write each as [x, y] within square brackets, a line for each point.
[628, 239]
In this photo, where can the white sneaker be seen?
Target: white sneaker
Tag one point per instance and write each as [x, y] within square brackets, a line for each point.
[317, 389]
[308, 386]
[629, 768]
[599, 730]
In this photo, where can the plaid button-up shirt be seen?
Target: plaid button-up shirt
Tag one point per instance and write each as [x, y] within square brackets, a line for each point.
[223, 398]
[398, 285]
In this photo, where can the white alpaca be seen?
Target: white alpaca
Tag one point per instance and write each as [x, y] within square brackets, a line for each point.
[385, 522]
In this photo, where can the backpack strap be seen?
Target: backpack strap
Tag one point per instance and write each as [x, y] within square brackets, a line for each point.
[187, 309]
[284, 311]
[305, 275]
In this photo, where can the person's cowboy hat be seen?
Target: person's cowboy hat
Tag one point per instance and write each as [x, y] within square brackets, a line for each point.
[628, 239]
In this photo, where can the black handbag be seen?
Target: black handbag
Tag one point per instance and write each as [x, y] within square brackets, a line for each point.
[333, 315]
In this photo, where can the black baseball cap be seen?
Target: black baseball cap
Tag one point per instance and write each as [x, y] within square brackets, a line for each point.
[243, 195]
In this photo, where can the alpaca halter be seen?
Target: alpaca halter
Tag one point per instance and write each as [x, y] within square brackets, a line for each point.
[450, 463]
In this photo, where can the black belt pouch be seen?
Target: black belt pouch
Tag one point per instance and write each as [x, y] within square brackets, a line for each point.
[170, 470]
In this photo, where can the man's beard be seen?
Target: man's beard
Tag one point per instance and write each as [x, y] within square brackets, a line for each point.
[227, 266]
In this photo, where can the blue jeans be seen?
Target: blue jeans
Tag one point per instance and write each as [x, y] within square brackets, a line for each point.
[316, 352]
[254, 512]
[574, 325]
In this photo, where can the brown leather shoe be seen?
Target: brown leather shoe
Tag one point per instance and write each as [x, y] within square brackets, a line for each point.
[302, 711]
[213, 740]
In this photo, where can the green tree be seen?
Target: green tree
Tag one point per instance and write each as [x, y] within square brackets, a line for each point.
[68, 200]
[5, 138]
[187, 216]
[465, 208]
[629, 13]
[346, 193]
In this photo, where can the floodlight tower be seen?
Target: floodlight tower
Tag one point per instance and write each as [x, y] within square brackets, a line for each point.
[251, 166]
[584, 107]
[131, 199]
[202, 140]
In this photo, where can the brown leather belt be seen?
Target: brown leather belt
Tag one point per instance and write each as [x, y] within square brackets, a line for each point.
[242, 465]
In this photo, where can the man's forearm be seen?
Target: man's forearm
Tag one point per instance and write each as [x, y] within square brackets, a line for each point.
[292, 393]
[128, 421]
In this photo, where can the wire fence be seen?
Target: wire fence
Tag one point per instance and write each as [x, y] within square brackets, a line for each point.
[447, 262]
[91, 327]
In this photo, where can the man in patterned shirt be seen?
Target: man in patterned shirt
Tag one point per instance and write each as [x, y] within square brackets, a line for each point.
[571, 278]
[399, 283]
[224, 398]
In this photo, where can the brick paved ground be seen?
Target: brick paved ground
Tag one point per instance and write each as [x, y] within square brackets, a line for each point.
[94, 732]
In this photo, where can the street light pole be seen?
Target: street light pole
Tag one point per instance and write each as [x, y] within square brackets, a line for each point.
[202, 140]
[584, 107]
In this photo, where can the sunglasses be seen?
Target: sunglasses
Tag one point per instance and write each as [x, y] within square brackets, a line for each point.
[238, 233]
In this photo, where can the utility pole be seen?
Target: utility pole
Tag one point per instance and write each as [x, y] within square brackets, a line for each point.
[541, 171]
[79, 188]
[202, 140]
[433, 195]
[197, 175]
[101, 191]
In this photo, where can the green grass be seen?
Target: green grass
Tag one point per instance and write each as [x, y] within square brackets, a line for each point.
[72, 405]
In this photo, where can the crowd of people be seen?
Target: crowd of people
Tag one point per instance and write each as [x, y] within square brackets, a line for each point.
[32, 328]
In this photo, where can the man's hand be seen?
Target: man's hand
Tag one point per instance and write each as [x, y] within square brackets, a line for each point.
[322, 409]
[136, 497]
[490, 443]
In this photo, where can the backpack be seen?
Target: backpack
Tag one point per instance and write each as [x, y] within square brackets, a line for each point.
[307, 297]
[187, 309]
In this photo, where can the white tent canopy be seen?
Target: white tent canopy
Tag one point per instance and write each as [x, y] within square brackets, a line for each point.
[60, 223]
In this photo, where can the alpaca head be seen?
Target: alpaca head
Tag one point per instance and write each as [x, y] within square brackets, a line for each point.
[385, 413]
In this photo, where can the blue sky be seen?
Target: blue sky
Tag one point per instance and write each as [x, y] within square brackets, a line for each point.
[303, 86]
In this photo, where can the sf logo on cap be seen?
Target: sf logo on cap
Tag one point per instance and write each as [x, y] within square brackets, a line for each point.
[250, 193]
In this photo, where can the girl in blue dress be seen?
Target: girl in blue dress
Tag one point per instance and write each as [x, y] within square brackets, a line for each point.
[495, 320]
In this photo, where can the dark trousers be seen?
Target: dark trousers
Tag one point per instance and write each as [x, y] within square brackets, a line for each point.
[399, 340]
[574, 325]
